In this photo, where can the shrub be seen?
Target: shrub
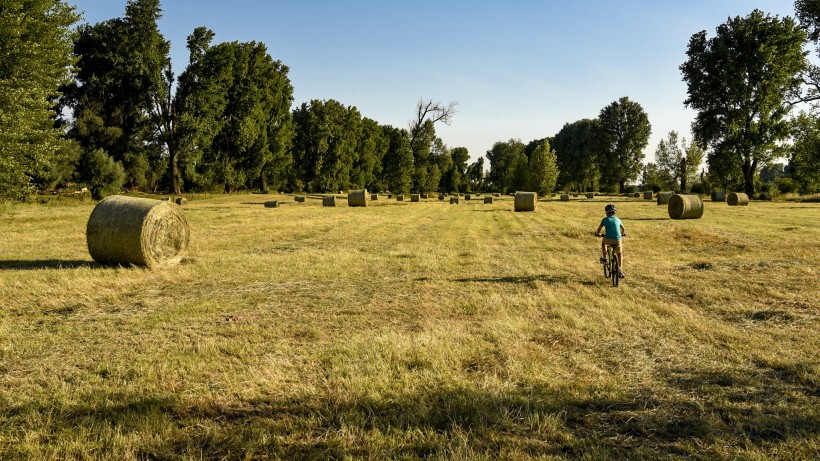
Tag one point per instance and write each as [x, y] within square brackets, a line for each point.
[103, 175]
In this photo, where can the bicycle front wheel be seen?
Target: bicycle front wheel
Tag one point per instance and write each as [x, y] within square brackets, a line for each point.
[615, 271]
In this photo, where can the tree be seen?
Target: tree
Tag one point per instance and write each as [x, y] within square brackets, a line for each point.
[397, 163]
[35, 59]
[543, 169]
[578, 150]
[234, 121]
[371, 149]
[624, 133]
[805, 153]
[455, 179]
[677, 162]
[651, 178]
[739, 82]
[507, 165]
[424, 142]
[122, 88]
[475, 176]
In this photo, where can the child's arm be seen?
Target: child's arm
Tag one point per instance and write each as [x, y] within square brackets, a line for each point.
[598, 232]
[623, 231]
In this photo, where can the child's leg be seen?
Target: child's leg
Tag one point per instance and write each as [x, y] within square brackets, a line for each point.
[603, 247]
[621, 255]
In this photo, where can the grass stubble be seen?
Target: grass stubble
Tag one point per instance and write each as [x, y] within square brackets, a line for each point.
[415, 330]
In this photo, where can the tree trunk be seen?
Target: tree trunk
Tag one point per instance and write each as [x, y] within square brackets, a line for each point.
[263, 181]
[748, 177]
[172, 158]
[683, 175]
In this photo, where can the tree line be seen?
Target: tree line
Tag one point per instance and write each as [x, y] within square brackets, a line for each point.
[99, 105]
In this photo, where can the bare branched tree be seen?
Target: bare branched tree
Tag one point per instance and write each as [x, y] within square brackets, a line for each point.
[433, 112]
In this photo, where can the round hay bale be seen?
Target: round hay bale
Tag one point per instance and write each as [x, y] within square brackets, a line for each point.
[467, 196]
[553, 195]
[415, 197]
[663, 197]
[685, 207]
[525, 201]
[648, 195]
[575, 195]
[718, 196]
[441, 197]
[737, 199]
[496, 194]
[357, 198]
[399, 198]
[389, 196]
[425, 196]
[565, 197]
[636, 195]
[590, 195]
[300, 198]
[272, 204]
[137, 231]
[766, 196]
[329, 200]
[454, 200]
[374, 196]
[181, 201]
[488, 200]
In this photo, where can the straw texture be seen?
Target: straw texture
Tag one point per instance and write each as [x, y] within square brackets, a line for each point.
[685, 207]
[663, 197]
[357, 198]
[737, 199]
[525, 201]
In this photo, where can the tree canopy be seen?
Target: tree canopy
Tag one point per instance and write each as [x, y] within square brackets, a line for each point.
[624, 133]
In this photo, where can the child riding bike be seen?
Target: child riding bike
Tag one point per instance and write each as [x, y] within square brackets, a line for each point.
[614, 236]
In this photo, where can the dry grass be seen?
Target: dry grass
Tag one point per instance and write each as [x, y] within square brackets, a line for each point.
[423, 331]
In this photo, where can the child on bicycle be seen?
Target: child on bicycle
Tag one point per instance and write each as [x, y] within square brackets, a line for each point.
[614, 236]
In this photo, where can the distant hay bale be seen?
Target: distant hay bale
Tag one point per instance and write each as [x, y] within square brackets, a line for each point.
[636, 195]
[329, 200]
[272, 204]
[525, 201]
[648, 195]
[357, 198]
[590, 195]
[565, 197]
[737, 199]
[496, 194]
[663, 197]
[575, 195]
[181, 201]
[389, 196]
[374, 196]
[425, 196]
[685, 207]
[399, 198]
[766, 196]
[467, 196]
[415, 197]
[137, 231]
[488, 200]
[718, 196]
[553, 194]
[300, 198]
[441, 197]
[454, 200]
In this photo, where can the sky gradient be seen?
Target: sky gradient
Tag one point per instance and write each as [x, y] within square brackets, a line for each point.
[519, 69]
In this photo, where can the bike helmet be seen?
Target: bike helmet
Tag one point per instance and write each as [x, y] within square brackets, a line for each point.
[610, 209]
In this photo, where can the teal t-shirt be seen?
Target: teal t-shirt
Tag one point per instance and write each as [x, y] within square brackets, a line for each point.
[612, 226]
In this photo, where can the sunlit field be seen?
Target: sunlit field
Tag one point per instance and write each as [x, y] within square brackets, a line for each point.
[415, 330]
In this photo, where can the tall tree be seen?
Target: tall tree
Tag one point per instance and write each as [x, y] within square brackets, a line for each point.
[397, 163]
[805, 153]
[35, 59]
[678, 161]
[476, 177]
[624, 131]
[578, 150]
[424, 142]
[739, 82]
[543, 169]
[371, 148]
[122, 86]
[507, 165]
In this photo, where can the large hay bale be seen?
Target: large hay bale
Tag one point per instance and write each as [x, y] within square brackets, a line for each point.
[415, 197]
[648, 195]
[454, 200]
[181, 201]
[718, 196]
[300, 198]
[441, 197]
[272, 204]
[399, 198]
[488, 200]
[329, 200]
[138, 231]
[357, 197]
[525, 201]
[685, 207]
[663, 197]
[590, 195]
[565, 197]
[737, 199]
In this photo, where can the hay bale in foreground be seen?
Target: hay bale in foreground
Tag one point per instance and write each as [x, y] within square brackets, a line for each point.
[488, 200]
[663, 197]
[565, 197]
[718, 196]
[454, 200]
[272, 204]
[685, 207]
[415, 197]
[181, 201]
[648, 195]
[137, 231]
[329, 200]
[357, 198]
[737, 199]
[300, 198]
[525, 201]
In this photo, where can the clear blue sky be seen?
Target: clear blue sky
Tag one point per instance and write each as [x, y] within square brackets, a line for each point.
[518, 69]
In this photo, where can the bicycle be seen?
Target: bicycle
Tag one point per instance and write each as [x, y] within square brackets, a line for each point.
[611, 268]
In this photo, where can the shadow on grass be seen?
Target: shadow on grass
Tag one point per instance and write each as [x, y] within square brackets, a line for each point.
[22, 265]
[646, 219]
[551, 279]
[441, 421]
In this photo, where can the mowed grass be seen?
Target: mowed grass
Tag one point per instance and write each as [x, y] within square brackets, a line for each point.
[415, 330]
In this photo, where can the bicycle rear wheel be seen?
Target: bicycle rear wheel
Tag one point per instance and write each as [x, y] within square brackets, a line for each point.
[615, 271]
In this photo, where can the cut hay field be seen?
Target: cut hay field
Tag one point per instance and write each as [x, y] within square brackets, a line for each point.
[415, 330]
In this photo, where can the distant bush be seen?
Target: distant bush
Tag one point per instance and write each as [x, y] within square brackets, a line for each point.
[103, 175]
